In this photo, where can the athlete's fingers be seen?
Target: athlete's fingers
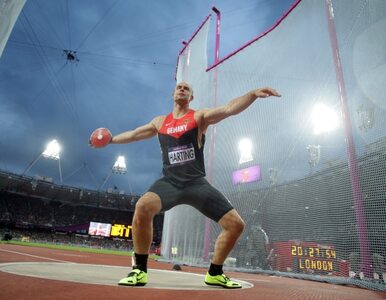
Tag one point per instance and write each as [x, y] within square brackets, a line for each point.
[270, 92]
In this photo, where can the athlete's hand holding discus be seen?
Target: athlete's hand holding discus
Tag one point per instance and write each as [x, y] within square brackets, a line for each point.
[100, 137]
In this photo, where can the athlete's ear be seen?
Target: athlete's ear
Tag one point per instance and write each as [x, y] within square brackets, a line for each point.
[191, 98]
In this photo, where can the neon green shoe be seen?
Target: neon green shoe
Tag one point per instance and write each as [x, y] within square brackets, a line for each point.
[221, 280]
[135, 278]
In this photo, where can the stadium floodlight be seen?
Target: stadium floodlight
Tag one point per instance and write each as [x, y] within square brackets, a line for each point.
[51, 152]
[245, 148]
[324, 119]
[120, 165]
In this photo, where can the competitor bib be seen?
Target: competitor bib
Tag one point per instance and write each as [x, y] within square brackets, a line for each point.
[181, 154]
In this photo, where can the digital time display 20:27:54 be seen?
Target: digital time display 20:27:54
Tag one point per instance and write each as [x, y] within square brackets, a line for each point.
[314, 258]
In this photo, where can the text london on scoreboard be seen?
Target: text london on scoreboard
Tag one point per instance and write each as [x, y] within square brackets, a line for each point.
[314, 257]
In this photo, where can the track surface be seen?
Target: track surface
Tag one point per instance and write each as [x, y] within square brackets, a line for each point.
[58, 274]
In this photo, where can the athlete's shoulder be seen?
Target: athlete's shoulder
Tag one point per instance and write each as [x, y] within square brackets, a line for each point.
[158, 121]
[199, 117]
[198, 114]
[201, 110]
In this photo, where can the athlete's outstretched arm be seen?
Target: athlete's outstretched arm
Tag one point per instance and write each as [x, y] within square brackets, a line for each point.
[235, 106]
[140, 133]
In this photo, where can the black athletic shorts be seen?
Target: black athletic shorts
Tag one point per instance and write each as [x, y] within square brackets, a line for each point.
[197, 193]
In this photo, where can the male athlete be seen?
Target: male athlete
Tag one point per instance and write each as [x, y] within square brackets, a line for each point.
[182, 137]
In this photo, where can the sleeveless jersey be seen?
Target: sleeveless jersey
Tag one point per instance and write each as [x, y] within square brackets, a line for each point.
[183, 159]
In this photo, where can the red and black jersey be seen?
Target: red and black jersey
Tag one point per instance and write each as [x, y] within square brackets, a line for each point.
[183, 159]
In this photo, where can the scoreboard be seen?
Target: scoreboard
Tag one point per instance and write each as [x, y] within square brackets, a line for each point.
[121, 231]
[313, 257]
[108, 230]
[306, 257]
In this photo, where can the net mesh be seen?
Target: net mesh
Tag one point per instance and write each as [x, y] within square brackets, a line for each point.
[317, 208]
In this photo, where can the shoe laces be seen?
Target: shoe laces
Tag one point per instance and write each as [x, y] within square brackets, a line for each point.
[225, 277]
[134, 272]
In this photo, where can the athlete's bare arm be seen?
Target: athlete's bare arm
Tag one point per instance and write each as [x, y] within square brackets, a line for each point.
[208, 117]
[140, 133]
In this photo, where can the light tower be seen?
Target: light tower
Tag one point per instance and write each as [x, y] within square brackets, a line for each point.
[245, 148]
[52, 151]
[119, 167]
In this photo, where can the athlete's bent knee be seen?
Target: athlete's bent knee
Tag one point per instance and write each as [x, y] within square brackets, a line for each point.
[238, 226]
[232, 222]
[148, 205]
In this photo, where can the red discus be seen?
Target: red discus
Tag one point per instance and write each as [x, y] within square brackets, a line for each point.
[100, 137]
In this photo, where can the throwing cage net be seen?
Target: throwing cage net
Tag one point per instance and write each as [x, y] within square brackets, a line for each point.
[310, 182]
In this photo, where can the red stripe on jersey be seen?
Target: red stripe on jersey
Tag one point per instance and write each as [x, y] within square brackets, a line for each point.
[177, 127]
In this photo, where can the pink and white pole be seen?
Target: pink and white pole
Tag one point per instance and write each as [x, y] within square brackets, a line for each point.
[208, 230]
[366, 267]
